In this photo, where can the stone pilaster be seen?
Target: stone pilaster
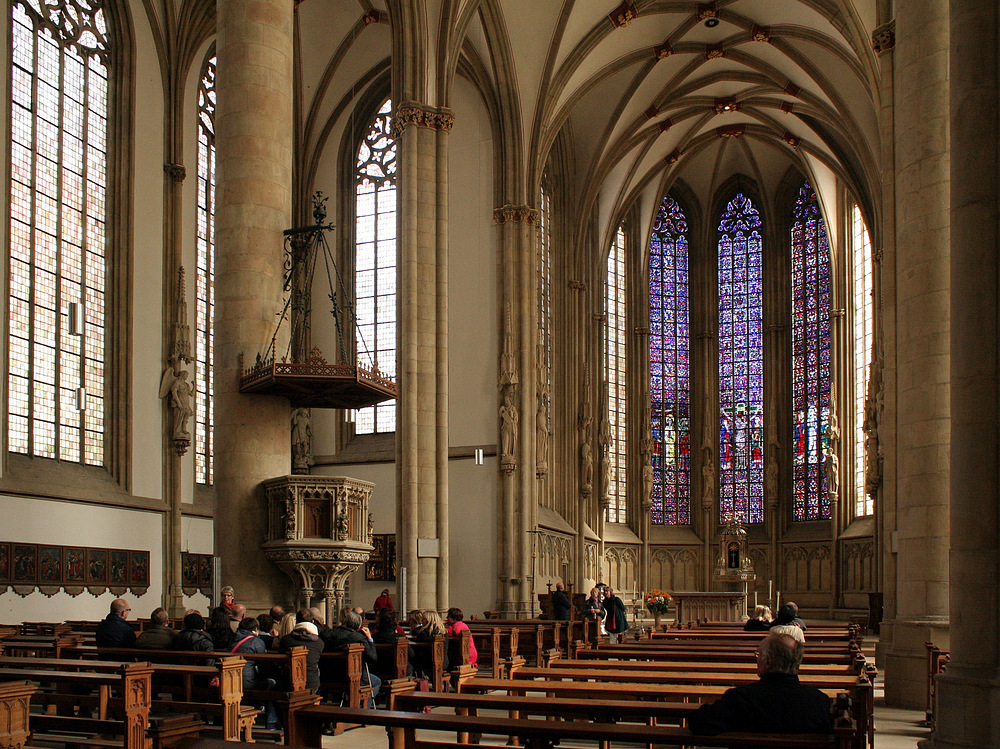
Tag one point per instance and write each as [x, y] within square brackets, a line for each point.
[421, 134]
[920, 535]
[518, 234]
[254, 147]
[968, 693]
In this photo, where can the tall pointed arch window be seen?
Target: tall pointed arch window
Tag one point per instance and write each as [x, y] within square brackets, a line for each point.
[669, 366]
[615, 373]
[741, 363]
[205, 279]
[864, 341]
[58, 153]
[545, 286]
[375, 262]
[810, 359]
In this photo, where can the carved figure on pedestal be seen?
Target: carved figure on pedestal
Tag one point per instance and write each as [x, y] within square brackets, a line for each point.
[831, 466]
[647, 484]
[508, 428]
[586, 467]
[175, 386]
[707, 477]
[541, 436]
[302, 457]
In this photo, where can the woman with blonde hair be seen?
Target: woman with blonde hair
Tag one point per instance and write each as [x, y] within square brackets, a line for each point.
[760, 621]
[432, 627]
[285, 626]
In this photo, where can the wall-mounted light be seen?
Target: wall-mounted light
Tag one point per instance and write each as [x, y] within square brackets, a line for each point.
[81, 399]
[478, 455]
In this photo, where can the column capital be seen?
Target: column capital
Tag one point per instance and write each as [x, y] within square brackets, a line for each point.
[413, 113]
[509, 212]
[177, 172]
[884, 37]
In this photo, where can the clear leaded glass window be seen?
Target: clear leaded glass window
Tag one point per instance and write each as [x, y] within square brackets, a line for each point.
[615, 373]
[864, 341]
[810, 358]
[375, 263]
[545, 288]
[741, 363]
[205, 279]
[669, 367]
[58, 149]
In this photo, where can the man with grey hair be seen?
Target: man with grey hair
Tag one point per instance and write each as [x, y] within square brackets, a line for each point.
[351, 631]
[777, 703]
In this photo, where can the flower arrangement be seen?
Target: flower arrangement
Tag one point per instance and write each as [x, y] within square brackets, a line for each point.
[657, 602]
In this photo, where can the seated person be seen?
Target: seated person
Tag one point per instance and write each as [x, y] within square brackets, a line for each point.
[777, 703]
[388, 631]
[114, 631]
[351, 631]
[265, 630]
[789, 614]
[157, 635]
[432, 627]
[304, 634]
[194, 636]
[455, 626]
[760, 621]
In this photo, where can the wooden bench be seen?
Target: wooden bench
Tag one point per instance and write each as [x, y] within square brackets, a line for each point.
[542, 734]
[937, 662]
[747, 664]
[132, 681]
[15, 698]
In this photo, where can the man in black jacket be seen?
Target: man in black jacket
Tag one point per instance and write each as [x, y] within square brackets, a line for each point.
[777, 703]
[114, 631]
[351, 631]
[561, 605]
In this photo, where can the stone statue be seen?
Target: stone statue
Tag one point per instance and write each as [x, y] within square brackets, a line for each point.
[586, 467]
[175, 387]
[647, 484]
[541, 437]
[707, 477]
[508, 428]
[302, 457]
[831, 466]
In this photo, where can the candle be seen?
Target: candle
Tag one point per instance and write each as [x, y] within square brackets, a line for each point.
[769, 591]
[755, 599]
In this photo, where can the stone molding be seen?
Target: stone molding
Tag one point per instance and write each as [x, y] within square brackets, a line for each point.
[509, 212]
[411, 113]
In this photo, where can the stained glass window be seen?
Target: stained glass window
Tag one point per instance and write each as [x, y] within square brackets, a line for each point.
[864, 340]
[741, 363]
[615, 373]
[375, 263]
[58, 149]
[810, 358]
[669, 366]
[205, 279]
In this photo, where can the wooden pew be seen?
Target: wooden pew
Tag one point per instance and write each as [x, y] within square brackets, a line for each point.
[392, 668]
[497, 643]
[745, 665]
[542, 734]
[433, 652]
[460, 669]
[937, 662]
[132, 681]
[15, 698]
[694, 652]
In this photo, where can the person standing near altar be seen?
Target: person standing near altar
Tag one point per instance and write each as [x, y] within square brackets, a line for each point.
[615, 622]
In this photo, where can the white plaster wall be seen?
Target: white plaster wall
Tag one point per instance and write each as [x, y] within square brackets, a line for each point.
[147, 317]
[75, 524]
[197, 537]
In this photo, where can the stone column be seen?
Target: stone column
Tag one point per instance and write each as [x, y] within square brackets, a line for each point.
[968, 711]
[421, 134]
[922, 409]
[254, 178]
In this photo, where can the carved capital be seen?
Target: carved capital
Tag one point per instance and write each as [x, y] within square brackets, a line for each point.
[509, 212]
[411, 113]
[177, 172]
[577, 285]
[641, 331]
[884, 37]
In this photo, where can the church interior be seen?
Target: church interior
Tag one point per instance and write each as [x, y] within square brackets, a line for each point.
[468, 298]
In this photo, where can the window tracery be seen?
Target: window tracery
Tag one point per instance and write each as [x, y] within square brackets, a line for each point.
[615, 373]
[205, 279]
[375, 262]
